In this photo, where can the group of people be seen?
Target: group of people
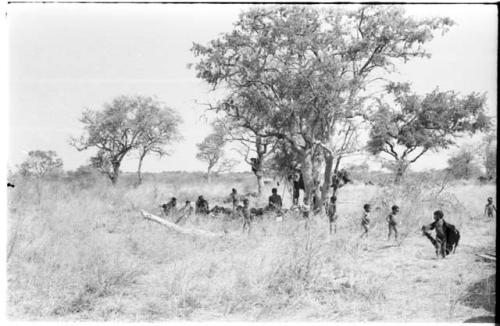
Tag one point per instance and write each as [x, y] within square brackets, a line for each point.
[275, 204]
[445, 240]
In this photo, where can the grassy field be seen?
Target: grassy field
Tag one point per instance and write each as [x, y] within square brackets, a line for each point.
[84, 253]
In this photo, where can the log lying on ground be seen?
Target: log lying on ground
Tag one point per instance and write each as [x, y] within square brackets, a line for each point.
[177, 228]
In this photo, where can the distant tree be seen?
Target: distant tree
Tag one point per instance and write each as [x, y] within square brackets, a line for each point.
[415, 124]
[211, 151]
[463, 164]
[125, 124]
[41, 163]
[308, 68]
[159, 128]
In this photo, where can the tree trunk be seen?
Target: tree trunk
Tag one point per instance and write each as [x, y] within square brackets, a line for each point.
[260, 185]
[307, 174]
[139, 175]
[208, 174]
[400, 171]
[115, 173]
[327, 179]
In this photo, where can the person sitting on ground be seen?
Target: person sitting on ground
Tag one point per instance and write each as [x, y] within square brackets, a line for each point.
[202, 206]
[275, 202]
[247, 217]
[447, 236]
[169, 208]
[489, 208]
[185, 212]
[331, 212]
[365, 220]
[392, 223]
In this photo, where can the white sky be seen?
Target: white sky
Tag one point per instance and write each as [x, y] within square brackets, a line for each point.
[64, 58]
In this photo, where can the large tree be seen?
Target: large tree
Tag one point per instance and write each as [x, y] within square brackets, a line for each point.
[125, 124]
[413, 125]
[244, 129]
[309, 68]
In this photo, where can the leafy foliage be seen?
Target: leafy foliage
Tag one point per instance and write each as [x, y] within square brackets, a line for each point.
[301, 71]
[463, 165]
[41, 163]
[126, 124]
[416, 124]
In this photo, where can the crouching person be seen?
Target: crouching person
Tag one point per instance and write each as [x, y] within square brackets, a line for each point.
[447, 236]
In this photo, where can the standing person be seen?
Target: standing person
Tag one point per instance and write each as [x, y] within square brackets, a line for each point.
[298, 183]
[331, 212]
[489, 208]
[365, 220]
[234, 199]
[392, 223]
[247, 218]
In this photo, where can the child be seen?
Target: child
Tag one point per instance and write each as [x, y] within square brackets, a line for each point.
[489, 208]
[234, 199]
[331, 212]
[447, 236]
[365, 220]
[392, 223]
[247, 219]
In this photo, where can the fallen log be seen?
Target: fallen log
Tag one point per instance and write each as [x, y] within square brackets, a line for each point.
[179, 229]
[487, 257]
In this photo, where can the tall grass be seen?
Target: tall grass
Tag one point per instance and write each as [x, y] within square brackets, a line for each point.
[86, 254]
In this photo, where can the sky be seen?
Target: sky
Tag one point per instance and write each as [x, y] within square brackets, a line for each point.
[65, 58]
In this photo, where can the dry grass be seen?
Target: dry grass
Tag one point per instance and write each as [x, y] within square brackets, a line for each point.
[87, 255]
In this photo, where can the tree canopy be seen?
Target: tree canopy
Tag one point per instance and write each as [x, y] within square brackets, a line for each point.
[126, 124]
[414, 124]
[304, 70]
[41, 163]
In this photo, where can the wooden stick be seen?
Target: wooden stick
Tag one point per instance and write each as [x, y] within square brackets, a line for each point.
[486, 256]
[179, 229]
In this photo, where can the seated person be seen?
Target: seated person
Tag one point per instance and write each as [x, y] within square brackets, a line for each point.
[275, 202]
[202, 206]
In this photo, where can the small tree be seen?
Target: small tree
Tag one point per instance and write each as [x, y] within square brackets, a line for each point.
[41, 163]
[416, 124]
[211, 151]
[126, 124]
[159, 127]
[463, 164]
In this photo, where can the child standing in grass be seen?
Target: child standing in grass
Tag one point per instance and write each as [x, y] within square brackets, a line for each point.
[392, 223]
[365, 220]
[247, 219]
[489, 208]
[331, 212]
